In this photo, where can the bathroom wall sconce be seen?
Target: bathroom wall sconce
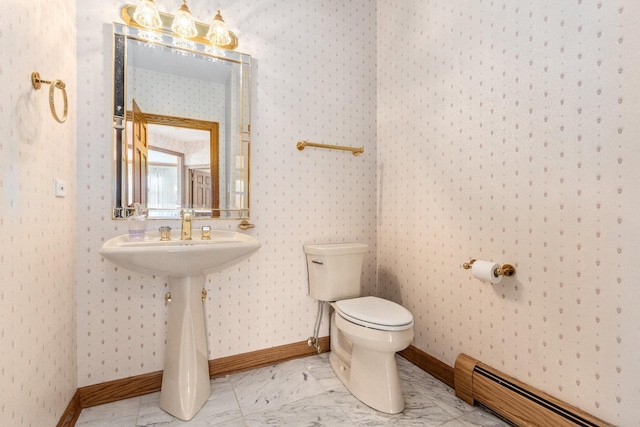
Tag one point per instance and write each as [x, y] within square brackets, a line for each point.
[146, 15]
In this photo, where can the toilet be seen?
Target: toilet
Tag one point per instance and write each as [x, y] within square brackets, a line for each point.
[366, 332]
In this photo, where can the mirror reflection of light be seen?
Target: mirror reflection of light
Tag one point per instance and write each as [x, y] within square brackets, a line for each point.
[212, 50]
[184, 44]
[151, 36]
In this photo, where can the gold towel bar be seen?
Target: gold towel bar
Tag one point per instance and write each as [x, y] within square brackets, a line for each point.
[505, 270]
[36, 81]
[302, 144]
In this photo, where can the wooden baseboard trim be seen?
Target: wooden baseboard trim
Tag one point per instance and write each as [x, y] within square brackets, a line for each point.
[71, 414]
[429, 364]
[112, 391]
[125, 388]
[260, 358]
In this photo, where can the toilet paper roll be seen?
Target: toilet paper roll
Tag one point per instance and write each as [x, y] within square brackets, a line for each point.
[484, 270]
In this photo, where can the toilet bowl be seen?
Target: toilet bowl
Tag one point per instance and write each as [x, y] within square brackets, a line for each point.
[366, 332]
[363, 357]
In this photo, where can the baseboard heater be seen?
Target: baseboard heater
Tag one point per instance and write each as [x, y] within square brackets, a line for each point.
[513, 400]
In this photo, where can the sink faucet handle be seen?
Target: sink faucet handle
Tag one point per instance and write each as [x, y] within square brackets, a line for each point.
[165, 233]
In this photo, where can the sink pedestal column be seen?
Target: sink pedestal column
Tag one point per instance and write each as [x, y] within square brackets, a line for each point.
[185, 381]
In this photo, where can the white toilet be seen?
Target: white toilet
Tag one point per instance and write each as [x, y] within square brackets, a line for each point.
[366, 332]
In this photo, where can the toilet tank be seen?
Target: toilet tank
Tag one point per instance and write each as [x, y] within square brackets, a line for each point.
[335, 270]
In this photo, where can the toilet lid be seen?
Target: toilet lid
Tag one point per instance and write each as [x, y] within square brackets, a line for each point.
[376, 313]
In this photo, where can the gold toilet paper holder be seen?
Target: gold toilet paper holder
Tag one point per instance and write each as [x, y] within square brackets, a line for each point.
[506, 269]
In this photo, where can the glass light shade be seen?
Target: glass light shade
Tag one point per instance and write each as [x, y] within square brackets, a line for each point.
[183, 23]
[147, 15]
[218, 33]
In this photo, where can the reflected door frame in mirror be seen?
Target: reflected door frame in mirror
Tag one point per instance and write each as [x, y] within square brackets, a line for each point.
[234, 115]
[213, 167]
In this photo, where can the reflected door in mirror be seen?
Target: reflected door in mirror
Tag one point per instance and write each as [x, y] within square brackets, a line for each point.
[201, 188]
[140, 161]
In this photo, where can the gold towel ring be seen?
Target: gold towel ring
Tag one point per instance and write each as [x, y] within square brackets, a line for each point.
[36, 81]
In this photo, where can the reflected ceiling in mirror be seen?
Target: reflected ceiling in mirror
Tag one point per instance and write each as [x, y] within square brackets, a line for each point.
[179, 86]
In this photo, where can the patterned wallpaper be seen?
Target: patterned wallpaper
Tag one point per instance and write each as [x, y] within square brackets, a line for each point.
[505, 132]
[314, 78]
[508, 131]
[38, 368]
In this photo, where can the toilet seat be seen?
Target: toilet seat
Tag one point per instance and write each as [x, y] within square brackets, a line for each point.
[375, 313]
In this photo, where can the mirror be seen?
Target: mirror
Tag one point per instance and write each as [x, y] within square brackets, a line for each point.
[181, 126]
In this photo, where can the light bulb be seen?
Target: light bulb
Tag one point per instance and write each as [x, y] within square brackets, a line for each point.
[147, 15]
[218, 33]
[183, 23]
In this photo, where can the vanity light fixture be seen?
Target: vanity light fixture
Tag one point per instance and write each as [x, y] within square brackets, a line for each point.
[146, 14]
[218, 33]
[183, 23]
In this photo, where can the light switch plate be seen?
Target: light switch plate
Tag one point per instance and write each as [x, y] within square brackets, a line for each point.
[60, 188]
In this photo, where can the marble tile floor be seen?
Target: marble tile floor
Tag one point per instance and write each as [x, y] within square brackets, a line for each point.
[301, 392]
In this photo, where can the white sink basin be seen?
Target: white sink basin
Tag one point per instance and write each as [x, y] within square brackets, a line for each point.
[179, 258]
[185, 379]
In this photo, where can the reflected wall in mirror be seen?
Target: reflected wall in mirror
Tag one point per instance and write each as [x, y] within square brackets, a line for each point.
[181, 120]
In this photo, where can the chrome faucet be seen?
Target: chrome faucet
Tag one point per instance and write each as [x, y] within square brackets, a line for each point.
[187, 216]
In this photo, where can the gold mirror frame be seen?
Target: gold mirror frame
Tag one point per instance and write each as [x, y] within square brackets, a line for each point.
[122, 34]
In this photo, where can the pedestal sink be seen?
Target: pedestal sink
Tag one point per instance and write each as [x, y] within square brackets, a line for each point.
[185, 381]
